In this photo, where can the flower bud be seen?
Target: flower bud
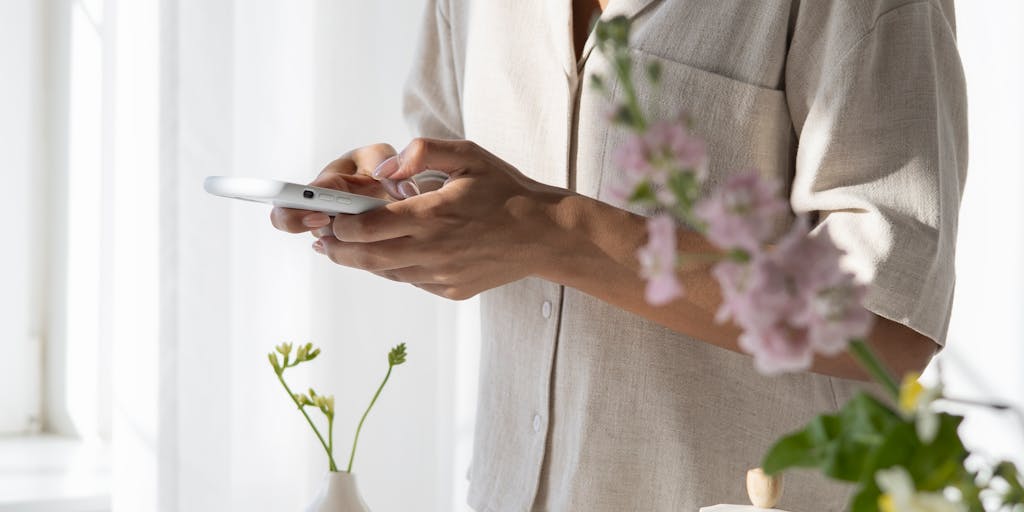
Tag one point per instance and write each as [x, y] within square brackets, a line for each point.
[397, 355]
[312, 354]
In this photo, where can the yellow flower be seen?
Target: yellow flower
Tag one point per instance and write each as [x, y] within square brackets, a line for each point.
[910, 392]
[915, 401]
[886, 503]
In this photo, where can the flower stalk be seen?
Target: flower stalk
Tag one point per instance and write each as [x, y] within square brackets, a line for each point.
[874, 366]
[395, 358]
[325, 403]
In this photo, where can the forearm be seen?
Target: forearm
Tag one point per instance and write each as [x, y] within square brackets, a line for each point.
[594, 249]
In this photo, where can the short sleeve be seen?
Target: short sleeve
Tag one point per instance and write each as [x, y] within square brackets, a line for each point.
[432, 91]
[882, 158]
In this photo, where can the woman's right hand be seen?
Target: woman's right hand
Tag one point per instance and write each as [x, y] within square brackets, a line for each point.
[352, 172]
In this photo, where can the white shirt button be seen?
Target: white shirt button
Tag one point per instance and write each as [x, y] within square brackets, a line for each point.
[536, 422]
[545, 309]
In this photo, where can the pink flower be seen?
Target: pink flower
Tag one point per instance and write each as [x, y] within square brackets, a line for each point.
[632, 157]
[741, 213]
[666, 148]
[831, 301]
[835, 315]
[672, 143]
[793, 301]
[779, 349]
[658, 261]
[755, 295]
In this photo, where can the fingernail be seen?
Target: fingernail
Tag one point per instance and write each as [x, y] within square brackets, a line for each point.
[316, 220]
[408, 189]
[318, 246]
[386, 168]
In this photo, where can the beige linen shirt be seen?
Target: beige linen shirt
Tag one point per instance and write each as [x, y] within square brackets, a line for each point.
[859, 105]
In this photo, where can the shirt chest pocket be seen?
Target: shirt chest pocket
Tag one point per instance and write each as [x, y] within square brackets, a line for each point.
[746, 126]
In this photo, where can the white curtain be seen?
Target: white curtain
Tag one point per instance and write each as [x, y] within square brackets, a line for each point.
[277, 89]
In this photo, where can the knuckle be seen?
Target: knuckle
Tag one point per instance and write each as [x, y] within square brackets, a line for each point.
[418, 147]
[350, 229]
[380, 147]
[456, 293]
[445, 275]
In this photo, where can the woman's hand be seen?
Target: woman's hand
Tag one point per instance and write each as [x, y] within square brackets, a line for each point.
[487, 226]
[351, 173]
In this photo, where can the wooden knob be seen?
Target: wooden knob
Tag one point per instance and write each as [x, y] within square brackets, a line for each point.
[764, 491]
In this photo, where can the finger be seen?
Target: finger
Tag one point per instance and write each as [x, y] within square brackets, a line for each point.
[321, 232]
[297, 221]
[358, 161]
[448, 156]
[367, 158]
[375, 257]
[391, 221]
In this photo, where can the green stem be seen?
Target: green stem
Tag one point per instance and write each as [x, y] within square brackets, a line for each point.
[632, 103]
[863, 354]
[365, 414]
[701, 257]
[330, 455]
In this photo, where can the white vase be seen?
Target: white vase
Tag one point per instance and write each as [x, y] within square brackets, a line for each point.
[339, 493]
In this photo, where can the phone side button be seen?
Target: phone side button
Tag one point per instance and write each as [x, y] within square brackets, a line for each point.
[325, 197]
[344, 200]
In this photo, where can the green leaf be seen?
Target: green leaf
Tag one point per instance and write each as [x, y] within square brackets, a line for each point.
[614, 31]
[838, 444]
[685, 187]
[643, 193]
[866, 499]
[794, 450]
[623, 115]
[654, 71]
[935, 465]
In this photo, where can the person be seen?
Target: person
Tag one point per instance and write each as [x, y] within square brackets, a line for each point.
[590, 398]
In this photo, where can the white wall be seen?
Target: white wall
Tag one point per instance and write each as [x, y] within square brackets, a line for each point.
[985, 353]
[21, 128]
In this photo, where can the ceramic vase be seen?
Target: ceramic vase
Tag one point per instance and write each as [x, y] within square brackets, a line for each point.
[339, 493]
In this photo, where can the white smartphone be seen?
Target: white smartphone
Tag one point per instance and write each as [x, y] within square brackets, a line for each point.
[290, 195]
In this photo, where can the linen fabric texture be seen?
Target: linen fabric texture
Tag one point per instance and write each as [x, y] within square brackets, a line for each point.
[857, 106]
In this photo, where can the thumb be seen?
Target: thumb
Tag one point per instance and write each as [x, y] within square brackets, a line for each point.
[444, 156]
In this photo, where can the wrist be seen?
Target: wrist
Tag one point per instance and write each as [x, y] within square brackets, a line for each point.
[584, 238]
[556, 228]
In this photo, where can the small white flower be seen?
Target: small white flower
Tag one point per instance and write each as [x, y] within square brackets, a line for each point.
[900, 495]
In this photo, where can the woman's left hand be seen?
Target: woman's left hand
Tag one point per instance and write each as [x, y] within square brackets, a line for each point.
[487, 226]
